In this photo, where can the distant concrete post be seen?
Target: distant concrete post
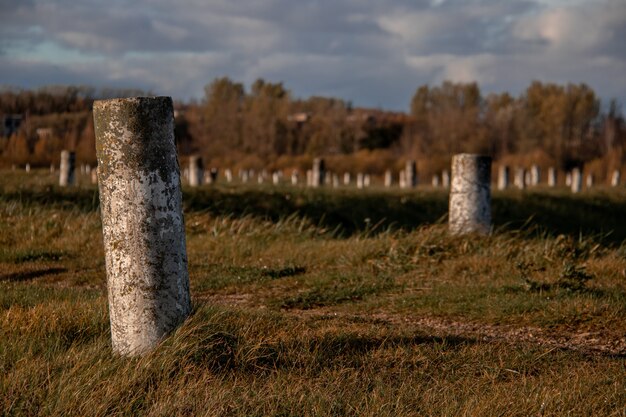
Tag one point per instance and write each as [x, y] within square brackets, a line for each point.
[402, 179]
[367, 180]
[228, 174]
[577, 180]
[520, 178]
[52, 168]
[590, 180]
[196, 171]
[275, 178]
[411, 173]
[504, 174]
[551, 177]
[294, 177]
[67, 168]
[470, 194]
[27, 167]
[568, 179]
[335, 180]
[319, 172]
[435, 181]
[445, 179]
[615, 178]
[244, 176]
[346, 178]
[94, 175]
[535, 175]
[142, 221]
[309, 177]
[388, 178]
[359, 180]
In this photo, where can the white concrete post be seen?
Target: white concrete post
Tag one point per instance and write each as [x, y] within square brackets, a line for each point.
[309, 177]
[275, 178]
[94, 175]
[402, 179]
[520, 175]
[568, 179]
[388, 178]
[228, 174]
[551, 177]
[335, 180]
[346, 178]
[142, 221]
[319, 172]
[67, 168]
[359, 180]
[577, 180]
[294, 177]
[470, 194]
[615, 178]
[367, 180]
[411, 173]
[535, 175]
[435, 181]
[445, 179]
[504, 173]
[196, 171]
[590, 180]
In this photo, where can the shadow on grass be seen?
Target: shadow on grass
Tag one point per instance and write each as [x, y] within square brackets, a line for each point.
[349, 211]
[27, 275]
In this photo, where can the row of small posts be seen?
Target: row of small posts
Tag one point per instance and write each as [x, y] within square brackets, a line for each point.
[143, 226]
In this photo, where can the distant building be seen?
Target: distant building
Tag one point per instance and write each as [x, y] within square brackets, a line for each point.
[11, 123]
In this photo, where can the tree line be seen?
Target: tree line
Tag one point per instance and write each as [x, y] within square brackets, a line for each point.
[264, 126]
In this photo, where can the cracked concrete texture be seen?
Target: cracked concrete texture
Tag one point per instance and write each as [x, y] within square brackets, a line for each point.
[142, 221]
[470, 194]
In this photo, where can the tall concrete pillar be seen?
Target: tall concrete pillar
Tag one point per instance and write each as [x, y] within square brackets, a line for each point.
[504, 174]
[319, 172]
[470, 194]
[367, 180]
[615, 178]
[411, 174]
[435, 181]
[294, 177]
[402, 179]
[228, 174]
[346, 178]
[568, 179]
[67, 168]
[577, 180]
[196, 171]
[142, 221]
[551, 177]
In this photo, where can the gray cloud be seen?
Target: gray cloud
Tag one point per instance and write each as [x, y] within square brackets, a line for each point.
[371, 52]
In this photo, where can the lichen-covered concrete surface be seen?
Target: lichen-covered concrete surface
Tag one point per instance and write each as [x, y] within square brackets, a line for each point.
[470, 194]
[66, 168]
[142, 221]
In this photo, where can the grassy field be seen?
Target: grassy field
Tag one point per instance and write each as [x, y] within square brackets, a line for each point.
[330, 302]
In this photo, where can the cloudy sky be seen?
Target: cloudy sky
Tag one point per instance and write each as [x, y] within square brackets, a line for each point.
[375, 53]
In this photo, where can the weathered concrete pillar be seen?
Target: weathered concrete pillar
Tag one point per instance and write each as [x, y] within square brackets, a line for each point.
[346, 178]
[568, 179]
[388, 178]
[445, 179]
[504, 174]
[411, 173]
[367, 180]
[435, 181]
[527, 181]
[615, 178]
[470, 194]
[294, 177]
[535, 175]
[590, 180]
[196, 171]
[67, 168]
[52, 168]
[94, 176]
[228, 174]
[309, 177]
[551, 177]
[275, 178]
[319, 172]
[142, 221]
[577, 180]
[244, 176]
[335, 180]
[520, 174]
[27, 168]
